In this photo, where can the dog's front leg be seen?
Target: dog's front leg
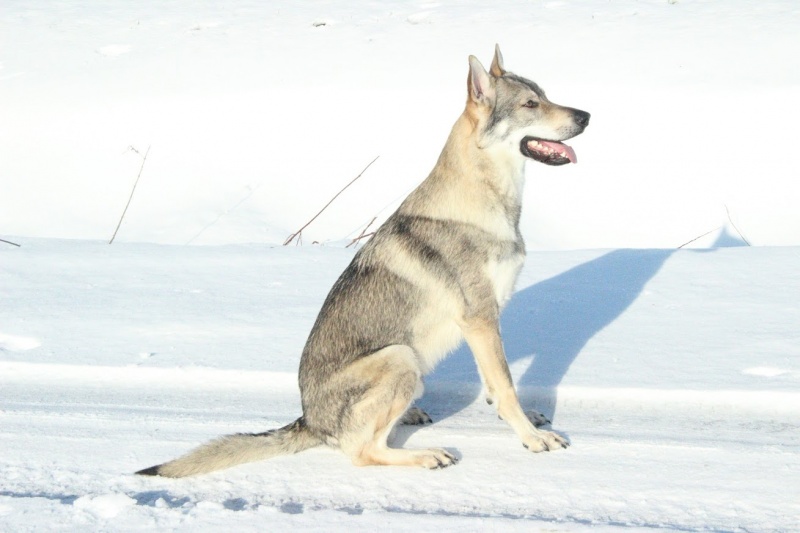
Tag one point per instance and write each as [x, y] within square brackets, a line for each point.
[483, 338]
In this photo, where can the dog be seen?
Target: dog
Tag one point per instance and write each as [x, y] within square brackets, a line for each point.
[437, 272]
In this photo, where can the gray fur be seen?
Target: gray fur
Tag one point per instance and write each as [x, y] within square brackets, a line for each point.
[438, 271]
[235, 449]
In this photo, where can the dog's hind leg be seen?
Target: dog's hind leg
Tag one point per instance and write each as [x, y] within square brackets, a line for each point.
[393, 380]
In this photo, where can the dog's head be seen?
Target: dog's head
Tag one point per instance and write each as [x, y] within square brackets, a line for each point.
[513, 111]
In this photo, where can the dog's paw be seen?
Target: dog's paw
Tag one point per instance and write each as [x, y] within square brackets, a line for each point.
[435, 458]
[544, 441]
[537, 418]
[415, 417]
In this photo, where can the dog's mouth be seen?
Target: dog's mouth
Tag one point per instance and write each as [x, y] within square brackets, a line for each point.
[547, 152]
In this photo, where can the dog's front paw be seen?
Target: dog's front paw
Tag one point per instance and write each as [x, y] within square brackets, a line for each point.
[544, 441]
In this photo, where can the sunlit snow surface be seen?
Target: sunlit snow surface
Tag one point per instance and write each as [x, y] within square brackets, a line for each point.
[674, 374]
[256, 113]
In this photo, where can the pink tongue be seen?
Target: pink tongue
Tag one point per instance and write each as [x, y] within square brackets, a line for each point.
[561, 148]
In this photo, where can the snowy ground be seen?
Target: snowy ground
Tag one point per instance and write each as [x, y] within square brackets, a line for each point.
[674, 373]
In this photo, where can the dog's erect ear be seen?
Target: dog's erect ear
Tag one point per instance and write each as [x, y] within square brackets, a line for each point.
[497, 63]
[481, 88]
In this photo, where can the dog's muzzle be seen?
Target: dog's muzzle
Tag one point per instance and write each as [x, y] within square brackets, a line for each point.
[555, 152]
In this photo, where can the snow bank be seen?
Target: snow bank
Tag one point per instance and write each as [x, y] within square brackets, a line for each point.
[255, 115]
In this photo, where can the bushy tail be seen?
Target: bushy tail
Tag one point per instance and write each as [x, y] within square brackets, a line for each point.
[232, 450]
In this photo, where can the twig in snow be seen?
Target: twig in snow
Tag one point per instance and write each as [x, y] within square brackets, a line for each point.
[719, 228]
[699, 237]
[297, 235]
[11, 243]
[144, 158]
[363, 234]
[250, 192]
[734, 226]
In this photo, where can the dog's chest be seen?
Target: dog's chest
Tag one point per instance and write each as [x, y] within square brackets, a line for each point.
[503, 274]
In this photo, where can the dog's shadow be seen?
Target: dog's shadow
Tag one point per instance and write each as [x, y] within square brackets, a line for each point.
[548, 323]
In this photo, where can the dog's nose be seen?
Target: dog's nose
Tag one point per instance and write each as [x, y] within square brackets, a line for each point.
[582, 117]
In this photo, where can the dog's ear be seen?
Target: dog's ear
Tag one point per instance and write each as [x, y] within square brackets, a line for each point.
[497, 68]
[481, 88]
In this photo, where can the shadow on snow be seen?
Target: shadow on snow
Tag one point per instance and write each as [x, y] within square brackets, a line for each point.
[549, 323]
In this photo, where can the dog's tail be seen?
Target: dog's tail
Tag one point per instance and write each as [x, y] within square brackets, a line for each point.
[232, 450]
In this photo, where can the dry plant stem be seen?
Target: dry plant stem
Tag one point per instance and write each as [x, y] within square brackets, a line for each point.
[699, 237]
[224, 213]
[298, 232]
[718, 228]
[370, 234]
[132, 191]
[11, 243]
[734, 226]
[363, 233]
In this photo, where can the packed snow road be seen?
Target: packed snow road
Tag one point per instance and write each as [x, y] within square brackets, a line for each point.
[674, 375]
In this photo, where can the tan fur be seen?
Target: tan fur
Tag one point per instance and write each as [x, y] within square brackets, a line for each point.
[438, 271]
[232, 450]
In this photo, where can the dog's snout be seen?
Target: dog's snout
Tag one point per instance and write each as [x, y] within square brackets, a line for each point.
[581, 117]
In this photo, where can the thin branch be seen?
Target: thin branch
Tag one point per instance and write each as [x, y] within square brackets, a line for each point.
[363, 234]
[132, 191]
[699, 237]
[298, 232]
[224, 213]
[11, 243]
[734, 226]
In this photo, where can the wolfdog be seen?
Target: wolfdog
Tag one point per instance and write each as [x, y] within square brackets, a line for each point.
[437, 272]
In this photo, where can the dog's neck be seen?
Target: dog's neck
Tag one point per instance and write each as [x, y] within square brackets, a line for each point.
[495, 162]
[476, 185]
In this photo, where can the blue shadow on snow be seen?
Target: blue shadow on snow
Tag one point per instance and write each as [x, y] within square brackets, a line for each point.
[551, 321]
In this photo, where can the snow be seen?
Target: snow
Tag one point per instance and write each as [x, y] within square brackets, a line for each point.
[257, 114]
[675, 373]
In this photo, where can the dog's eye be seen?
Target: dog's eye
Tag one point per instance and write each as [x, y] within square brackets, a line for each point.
[530, 104]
